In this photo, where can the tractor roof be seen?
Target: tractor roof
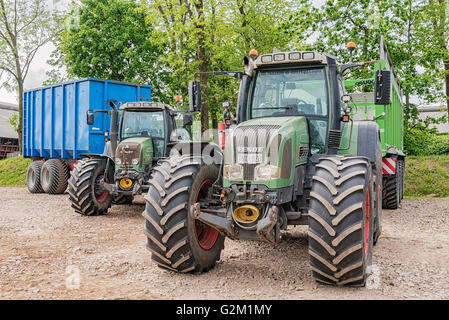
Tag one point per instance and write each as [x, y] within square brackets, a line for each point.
[146, 105]
[297, 57]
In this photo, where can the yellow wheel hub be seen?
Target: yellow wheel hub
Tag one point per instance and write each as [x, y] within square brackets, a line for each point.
[126, 183]
[246, 214]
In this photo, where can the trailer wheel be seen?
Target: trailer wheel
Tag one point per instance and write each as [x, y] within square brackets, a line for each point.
[391, 191]
[34, 177]
[401, 164]
[176, 240]
[86, 194]
[54, 176]
[122, 199]
[341, 219]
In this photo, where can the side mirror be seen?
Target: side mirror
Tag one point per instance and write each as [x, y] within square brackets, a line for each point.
[382, 88]
[194, 96]
[187, 120]
[90, 118]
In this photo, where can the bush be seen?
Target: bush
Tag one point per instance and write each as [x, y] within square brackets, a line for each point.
[424, 142]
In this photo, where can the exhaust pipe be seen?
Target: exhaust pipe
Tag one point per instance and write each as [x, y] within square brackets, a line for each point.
[113, 129]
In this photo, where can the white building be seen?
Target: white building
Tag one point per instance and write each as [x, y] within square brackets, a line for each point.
[434, 111]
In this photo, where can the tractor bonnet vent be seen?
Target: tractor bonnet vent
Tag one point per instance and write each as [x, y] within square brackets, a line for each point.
[250, 143]
[334, 139]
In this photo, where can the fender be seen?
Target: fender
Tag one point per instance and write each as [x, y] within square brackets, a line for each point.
[361, 140]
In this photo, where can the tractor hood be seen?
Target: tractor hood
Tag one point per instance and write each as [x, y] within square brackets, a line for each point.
[134, 153]
[269, 145]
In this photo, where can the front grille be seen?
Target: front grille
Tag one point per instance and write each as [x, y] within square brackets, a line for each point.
[250, 138]
[127, 151]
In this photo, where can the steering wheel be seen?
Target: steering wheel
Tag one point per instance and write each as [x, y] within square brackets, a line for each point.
[301, 101]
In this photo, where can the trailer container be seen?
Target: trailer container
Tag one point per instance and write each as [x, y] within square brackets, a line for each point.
[390, 119]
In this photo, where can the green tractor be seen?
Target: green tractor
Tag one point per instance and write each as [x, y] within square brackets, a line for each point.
[145, 133]
[293, 156]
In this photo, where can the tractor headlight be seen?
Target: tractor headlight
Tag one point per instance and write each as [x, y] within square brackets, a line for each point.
[118, 161]
[233, 172]
[135, 162]
[266, 172]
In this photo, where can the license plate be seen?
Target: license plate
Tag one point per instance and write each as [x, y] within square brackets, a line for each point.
[249, 158]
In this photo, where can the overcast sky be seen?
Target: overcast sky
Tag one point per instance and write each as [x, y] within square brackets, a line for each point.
[39, 65]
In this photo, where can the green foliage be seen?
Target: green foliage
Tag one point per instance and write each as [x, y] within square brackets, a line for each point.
[113, 39]
[427, 176]
[423, 142]
[209, 35]
[13, 171]
[14, 121]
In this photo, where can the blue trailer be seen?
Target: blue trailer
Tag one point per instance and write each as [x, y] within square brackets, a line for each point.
[55, 128]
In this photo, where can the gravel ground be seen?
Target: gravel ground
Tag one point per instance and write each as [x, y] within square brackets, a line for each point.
[45, 245]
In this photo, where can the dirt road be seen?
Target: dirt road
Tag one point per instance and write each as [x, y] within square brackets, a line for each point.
[46, 248]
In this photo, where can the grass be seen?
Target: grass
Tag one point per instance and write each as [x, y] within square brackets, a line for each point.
[427, 176]
[13, 171]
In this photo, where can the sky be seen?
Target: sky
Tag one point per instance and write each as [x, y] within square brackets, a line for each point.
[39, 65]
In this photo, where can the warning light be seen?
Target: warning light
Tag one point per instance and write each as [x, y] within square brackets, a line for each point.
[351, 46]
[178, 98]
[253, 52]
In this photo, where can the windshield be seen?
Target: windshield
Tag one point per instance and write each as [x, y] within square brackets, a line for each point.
[295, 92]
[143, 124]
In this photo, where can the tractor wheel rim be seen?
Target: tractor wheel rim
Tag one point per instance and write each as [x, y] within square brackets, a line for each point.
[205, 235]
[367, 222]
[100, 195]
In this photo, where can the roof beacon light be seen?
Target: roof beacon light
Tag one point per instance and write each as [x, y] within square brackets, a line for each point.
[351, 47]
[253, 53]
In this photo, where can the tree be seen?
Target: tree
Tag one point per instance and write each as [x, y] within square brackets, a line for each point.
[112, 39]
[435, 31]
[14, 122]
[25, 26]
[406, 26]
[211, 35]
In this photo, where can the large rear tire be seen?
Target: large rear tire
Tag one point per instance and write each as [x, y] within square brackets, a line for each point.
[341, 220]
[86, 195]
[34, 177]
[54, 176]
[176, 240]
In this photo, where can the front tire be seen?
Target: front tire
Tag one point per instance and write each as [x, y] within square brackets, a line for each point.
[341, 220]
[176, 240]
[86, 195]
